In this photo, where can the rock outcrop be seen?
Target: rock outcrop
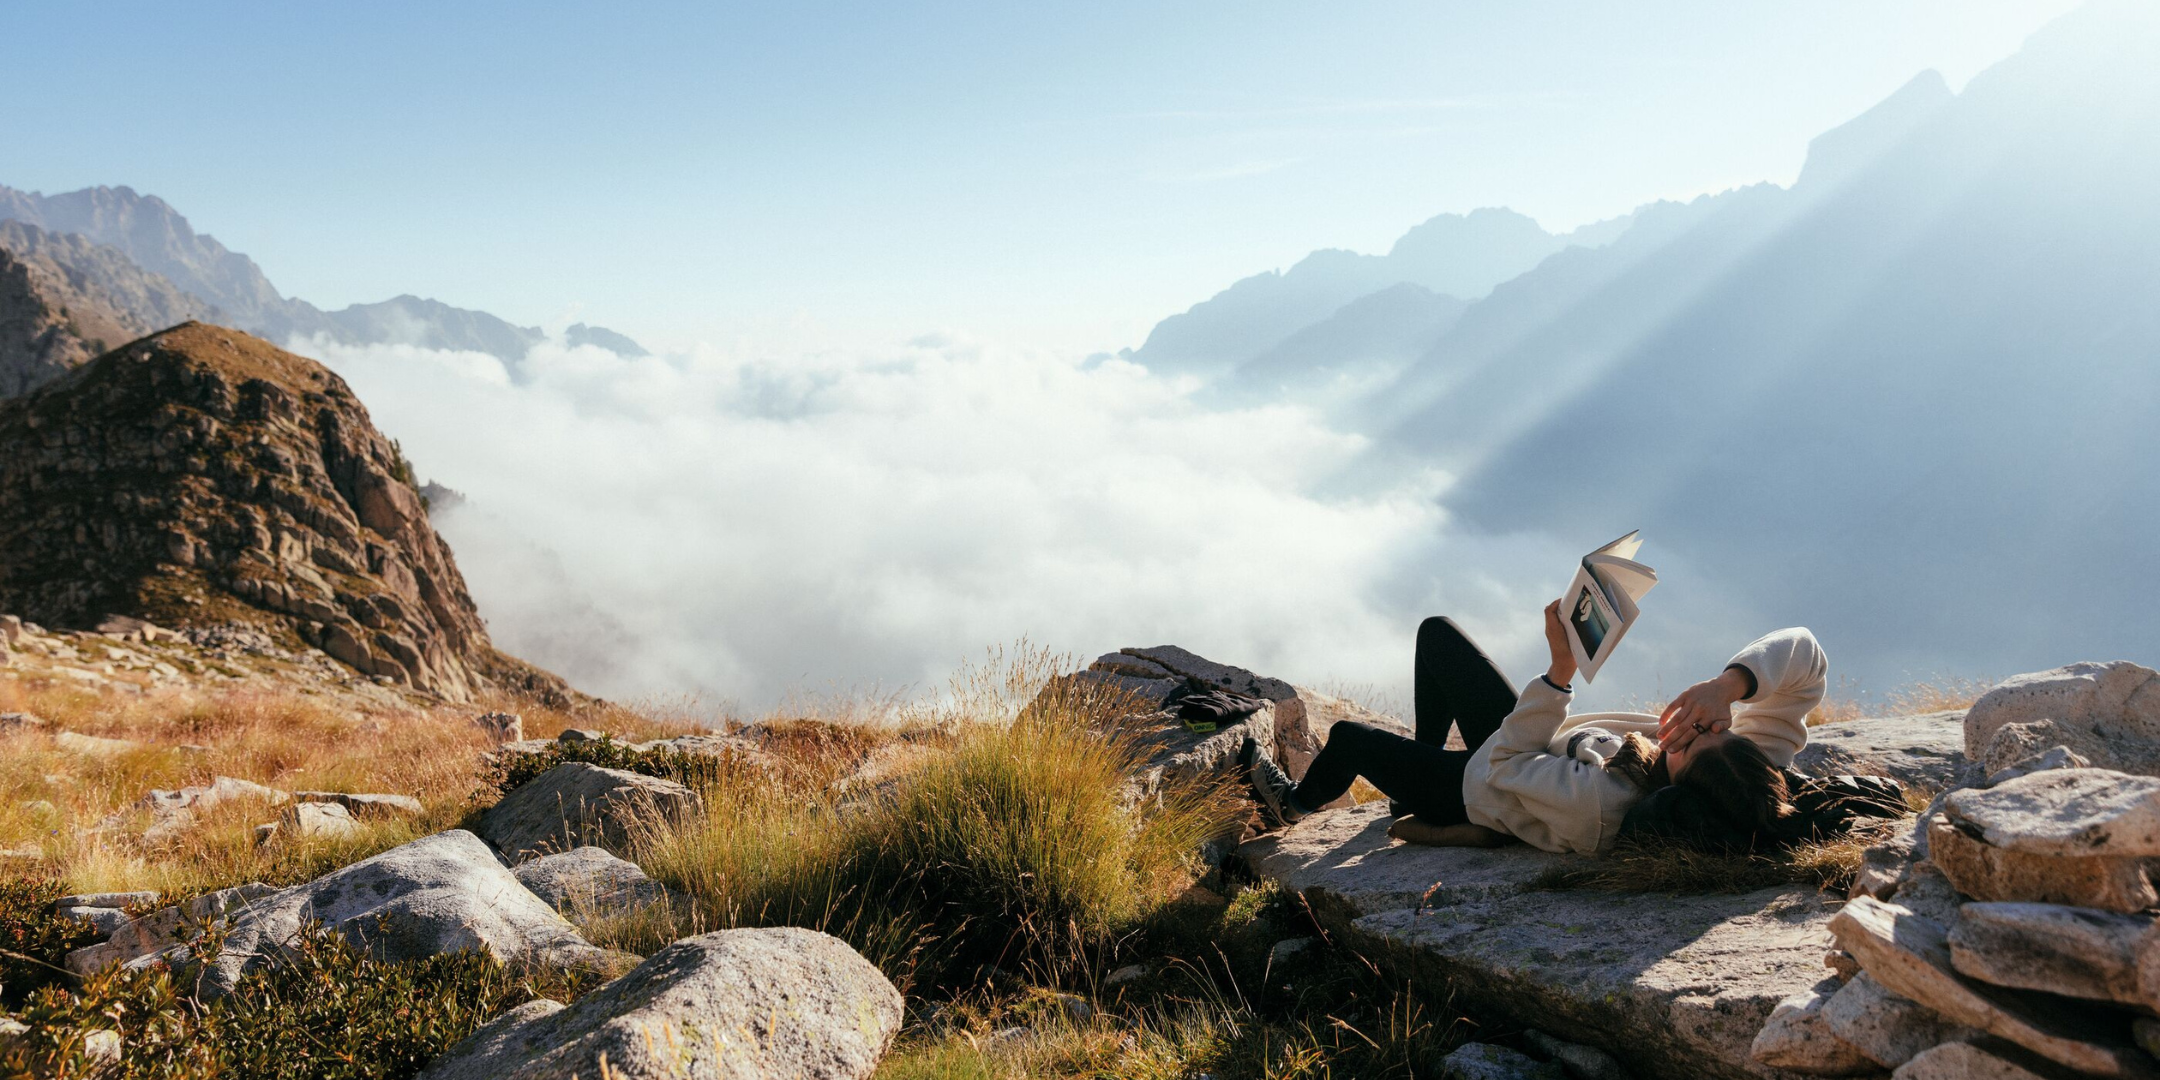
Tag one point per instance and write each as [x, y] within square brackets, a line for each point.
[2011, 933]
[1293, 725]
[64, 300]
[202, 477]
[762, 1004]
[577, 803]
[1672, 986]
[434, 895]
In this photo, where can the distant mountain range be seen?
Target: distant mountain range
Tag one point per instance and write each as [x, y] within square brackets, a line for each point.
[1457, 256]
[115, 258]
[1913, 399]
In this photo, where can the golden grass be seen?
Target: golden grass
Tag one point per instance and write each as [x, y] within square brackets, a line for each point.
[1930, 695]
[84, 810]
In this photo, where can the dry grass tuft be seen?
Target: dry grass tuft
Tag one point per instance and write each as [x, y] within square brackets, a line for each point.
[1933, 695]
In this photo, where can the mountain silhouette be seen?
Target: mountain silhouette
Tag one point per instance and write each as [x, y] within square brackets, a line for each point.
[1460, 255]
[149, 232]
[1911, 400]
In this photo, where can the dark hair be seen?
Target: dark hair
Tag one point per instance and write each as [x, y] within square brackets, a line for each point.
[1741, 781]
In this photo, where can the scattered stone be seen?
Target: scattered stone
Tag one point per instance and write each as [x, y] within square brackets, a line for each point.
[501, 727]
[1288, 947]
[140, 898]
[588, 879]
[1126, 974]
[1074, 1008]
[1883, 867]
[1841, 963]
[2075, 812]
[1797, 1037]
[752, 1004]
[577, 803]
[1885, 1027]
[1910, 956]
[577, 735]
[2078, 952]
[1581, 1062]
[2109, 713]
[163, 927]
[11, 629]
[1484, 1061]
[201, 797]
[434, 895]
[2054, 757]
[315, 821]
[366, 805]
[1962, 1061]
[130, 628]
[1982, 870]
[1927, 750]
[93, 745]
[15, 722]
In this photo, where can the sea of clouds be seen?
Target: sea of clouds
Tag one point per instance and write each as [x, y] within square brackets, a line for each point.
[744, 529]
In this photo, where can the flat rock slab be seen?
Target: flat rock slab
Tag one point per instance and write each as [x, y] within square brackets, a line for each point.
[2073, 812]
[1927, 750]
[1347, 857]
[1673, 986]
[760, 1004]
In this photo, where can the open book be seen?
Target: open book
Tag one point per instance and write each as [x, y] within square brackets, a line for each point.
[1599, 605]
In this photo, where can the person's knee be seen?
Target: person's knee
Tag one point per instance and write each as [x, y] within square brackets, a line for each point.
[1351, 732]
[1440, 630]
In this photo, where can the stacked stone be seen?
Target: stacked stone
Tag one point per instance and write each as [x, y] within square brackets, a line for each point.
[2012, 933]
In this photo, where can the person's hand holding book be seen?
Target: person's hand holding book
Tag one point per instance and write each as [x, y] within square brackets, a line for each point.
[1562, 671]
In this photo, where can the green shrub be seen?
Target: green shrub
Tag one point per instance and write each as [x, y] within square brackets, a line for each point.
[34, 941]
[326, 1011]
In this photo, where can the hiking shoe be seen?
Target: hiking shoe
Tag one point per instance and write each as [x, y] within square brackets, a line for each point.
[1270, 784]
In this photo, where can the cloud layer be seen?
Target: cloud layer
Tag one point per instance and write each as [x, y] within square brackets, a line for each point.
[743, 529]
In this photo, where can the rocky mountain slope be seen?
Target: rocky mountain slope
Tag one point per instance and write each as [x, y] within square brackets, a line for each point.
[64, 300]
[147, 230]
[201, 477]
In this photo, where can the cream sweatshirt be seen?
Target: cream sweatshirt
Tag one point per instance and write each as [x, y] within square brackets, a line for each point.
[1522, 781]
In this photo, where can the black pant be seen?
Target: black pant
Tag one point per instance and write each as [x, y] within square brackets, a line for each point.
[1456, 684]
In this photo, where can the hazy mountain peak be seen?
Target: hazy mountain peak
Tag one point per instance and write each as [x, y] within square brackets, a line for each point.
[1457, 255]
[601, 337]
[1843, 151]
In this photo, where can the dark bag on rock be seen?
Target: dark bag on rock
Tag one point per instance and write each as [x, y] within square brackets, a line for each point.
[1204, 710]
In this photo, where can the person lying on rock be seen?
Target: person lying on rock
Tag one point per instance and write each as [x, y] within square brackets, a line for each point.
[1565, 783]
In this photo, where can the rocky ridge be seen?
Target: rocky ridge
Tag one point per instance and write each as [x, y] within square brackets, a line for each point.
[200, 477]
[226, 286]
[64, 300]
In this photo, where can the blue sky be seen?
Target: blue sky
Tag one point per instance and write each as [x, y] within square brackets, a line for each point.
[839, 174]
